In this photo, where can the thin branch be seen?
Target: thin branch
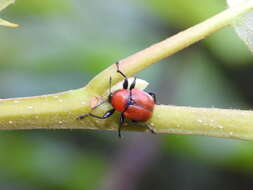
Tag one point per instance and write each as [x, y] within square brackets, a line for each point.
[142, 59]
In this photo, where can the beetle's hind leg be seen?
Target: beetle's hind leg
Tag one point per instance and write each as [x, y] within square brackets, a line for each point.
[147, 126]
[150, 129]
[121, 123]
[153, 96]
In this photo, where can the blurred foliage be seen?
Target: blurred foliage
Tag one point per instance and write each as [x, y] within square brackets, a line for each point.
[54, 164]
[62, 44]
[195, 11]
[33, 8]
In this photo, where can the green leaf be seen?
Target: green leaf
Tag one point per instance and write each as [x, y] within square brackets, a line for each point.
[244, 25]
[3, 5]
[6, 23]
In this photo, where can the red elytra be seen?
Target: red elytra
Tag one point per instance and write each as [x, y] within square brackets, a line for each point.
[134, 104]
[140, 109]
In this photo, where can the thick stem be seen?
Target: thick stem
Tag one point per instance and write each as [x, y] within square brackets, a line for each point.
[49, 111]
[225, 123]
[32, 113]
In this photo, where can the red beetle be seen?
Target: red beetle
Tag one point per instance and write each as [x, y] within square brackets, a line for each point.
[134, 104]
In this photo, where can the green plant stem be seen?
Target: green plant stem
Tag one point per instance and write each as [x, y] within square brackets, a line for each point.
[58, 111]
[225, 123]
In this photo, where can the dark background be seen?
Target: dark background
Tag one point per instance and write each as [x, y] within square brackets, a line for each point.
[61, 44]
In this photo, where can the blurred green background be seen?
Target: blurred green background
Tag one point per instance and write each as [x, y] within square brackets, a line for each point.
[61, 44]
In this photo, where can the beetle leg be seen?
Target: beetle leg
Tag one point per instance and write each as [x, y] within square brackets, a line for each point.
[96, 106]
[150, 129]
[153, 95]
[125, 83]
[121, 122]
[106, 115]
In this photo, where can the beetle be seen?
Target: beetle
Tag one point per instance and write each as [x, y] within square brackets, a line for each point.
[134, 104]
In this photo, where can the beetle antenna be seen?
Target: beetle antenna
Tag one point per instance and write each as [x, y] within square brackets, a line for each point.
[110, 85]
[131, 88]
[125, 83]
[119, 71]
[150, 129]
[110, 90]
[133, 84]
